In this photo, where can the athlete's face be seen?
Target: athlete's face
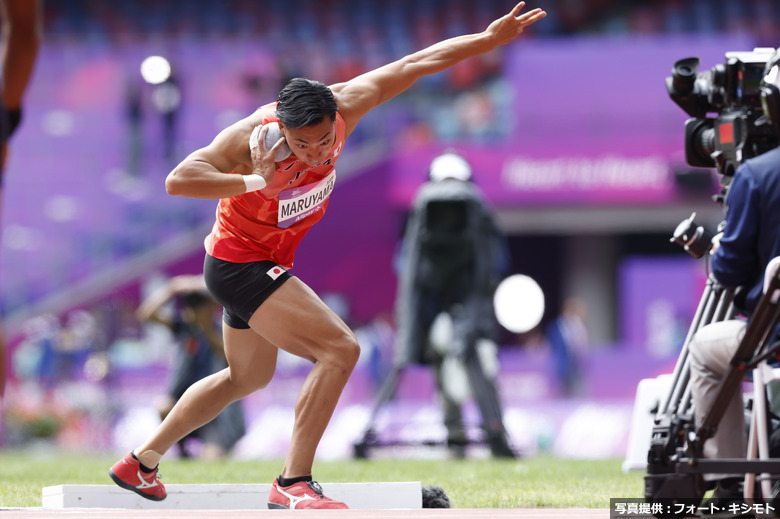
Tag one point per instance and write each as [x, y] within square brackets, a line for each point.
[311, 144]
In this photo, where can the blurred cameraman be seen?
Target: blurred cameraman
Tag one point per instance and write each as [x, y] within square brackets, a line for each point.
[740, 254]
[196, 327]
[450, 266]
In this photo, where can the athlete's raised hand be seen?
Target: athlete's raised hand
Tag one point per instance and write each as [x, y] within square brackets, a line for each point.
[510, 26]
[361, 94]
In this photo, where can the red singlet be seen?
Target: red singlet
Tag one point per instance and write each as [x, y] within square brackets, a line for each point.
[248, 227]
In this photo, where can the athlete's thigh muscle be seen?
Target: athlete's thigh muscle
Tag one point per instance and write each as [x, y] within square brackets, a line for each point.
[252, 358]
[296, 320]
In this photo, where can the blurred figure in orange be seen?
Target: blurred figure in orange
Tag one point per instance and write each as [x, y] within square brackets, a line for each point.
[22, 31]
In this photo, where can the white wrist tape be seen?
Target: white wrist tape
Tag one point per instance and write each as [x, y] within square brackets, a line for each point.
[253, 182]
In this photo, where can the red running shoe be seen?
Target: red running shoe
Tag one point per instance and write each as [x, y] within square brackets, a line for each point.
[304, 494]
[127, 474]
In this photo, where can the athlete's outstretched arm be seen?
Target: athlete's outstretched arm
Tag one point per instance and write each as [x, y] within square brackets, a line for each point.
[358, 96]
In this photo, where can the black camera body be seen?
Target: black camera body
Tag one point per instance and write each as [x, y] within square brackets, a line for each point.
[727, 125]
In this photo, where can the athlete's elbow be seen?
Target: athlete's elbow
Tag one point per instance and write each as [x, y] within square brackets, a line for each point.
[174, 185]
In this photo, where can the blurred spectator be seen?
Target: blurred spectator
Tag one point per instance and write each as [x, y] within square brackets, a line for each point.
[135, 115]
[407, 24]
[196, 326]
[167, 100]
[568, 340]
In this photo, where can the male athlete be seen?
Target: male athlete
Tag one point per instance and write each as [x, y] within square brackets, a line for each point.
[267, 202]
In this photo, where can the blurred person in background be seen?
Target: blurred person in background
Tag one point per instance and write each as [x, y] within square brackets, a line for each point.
[22, 32]
[453, 257]
[195, 325]
[273, 173]
[167, 100]
[569, 344]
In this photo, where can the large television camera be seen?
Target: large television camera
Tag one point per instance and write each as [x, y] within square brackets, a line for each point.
[727, 127]
[727, 124]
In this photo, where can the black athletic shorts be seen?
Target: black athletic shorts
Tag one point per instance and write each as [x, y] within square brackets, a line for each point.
[241, 287]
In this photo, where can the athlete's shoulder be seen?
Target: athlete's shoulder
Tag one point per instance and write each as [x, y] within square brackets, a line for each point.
[265, 114]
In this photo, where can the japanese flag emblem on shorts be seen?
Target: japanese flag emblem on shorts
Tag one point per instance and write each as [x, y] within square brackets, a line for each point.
[275, 271]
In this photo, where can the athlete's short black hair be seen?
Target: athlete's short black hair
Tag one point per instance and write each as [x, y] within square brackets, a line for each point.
[304, 102]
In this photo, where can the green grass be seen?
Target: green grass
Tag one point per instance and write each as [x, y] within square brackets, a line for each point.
[528, 483]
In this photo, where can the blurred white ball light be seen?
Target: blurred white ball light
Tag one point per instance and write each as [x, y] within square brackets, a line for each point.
[519, 303]
[155, 70]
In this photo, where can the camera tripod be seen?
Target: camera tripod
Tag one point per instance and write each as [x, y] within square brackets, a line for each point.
[485, 395]
[676, 465]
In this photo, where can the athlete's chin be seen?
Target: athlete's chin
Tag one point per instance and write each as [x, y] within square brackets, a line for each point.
[306, 161]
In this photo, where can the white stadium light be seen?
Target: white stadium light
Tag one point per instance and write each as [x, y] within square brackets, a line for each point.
[519, 303]
[155, 70]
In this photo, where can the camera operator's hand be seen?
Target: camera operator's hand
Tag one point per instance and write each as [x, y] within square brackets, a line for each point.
[715, 242]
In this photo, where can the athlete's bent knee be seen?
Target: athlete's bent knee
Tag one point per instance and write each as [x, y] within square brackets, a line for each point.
[342, 354]
[245, 384]
[352, 352]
